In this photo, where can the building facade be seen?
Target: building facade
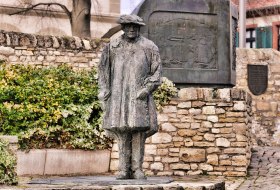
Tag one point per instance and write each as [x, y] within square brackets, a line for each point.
[262, 23]
[54, 21]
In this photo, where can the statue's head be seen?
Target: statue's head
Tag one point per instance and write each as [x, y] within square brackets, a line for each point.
[131, 25]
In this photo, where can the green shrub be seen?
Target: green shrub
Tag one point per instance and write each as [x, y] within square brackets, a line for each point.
[7, 165]
[51, 107]
[56, 107]
[164, 93]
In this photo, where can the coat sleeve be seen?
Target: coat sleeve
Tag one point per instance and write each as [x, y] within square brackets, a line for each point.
[104, 75]
[154, 80]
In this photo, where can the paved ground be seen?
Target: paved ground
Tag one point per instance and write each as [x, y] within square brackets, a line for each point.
[110, 183]
[263, 173]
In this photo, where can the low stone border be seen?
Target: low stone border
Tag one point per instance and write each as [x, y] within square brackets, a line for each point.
[62, 162]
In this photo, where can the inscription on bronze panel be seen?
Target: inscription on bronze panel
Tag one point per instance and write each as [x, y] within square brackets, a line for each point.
[198, 31]
[257, 78]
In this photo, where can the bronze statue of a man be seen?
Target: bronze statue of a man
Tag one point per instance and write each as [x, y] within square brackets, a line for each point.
[129, 71]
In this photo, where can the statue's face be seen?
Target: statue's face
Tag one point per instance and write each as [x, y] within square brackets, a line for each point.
[131, 31]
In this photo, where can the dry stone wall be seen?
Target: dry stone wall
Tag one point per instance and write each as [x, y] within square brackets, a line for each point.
[265, 107]
[204, 131]
[20, 48]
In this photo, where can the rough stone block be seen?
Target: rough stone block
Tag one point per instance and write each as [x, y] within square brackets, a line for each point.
[188, 94]
[114, 164]
[197, 138]
[169, 109]
[222, 142]
[150, 149]
[239, 161]
[198, 104]
[205, 167]
[209, 110]
[206, 124]
[192, 155]
[239, 106]
[168, 127]
[184, 105]
[186, 132]
[203, 144]
[182, 112]
[195, 125]
[213, 150]
[225, 162]
[213, 118]
[209, 137]
[162, 118]
[161, 138]
[224, 94]
[179, 166]
[157, 166]
[235, 151]
[213, 159]
[7, 51]
[170, 159]
[241, 138]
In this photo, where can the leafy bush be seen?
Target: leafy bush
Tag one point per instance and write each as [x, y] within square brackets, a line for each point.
[56, 107]
[7, 165]
[164, 93]
[51, 107]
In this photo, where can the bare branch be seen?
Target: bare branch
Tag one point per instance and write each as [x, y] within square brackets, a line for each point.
[63, 7]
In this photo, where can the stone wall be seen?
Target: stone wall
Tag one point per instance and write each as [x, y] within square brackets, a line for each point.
[20, 48]
[184, 126]
[204, 131]
[265, 107]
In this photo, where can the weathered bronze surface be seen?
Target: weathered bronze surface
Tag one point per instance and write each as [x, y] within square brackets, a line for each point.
[129, 72]
[257, 78]
[195, 38]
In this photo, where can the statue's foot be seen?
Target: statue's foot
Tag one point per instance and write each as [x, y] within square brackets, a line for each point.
[123, 175]
[139, 174]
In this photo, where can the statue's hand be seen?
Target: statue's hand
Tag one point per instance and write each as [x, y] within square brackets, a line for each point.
[104, 96]
[142, 94]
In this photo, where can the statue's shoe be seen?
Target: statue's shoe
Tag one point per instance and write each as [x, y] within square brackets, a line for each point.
[139, 174]
[123, 175]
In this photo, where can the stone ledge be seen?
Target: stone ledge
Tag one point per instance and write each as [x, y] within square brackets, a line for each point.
[27, 41]
[10, 139]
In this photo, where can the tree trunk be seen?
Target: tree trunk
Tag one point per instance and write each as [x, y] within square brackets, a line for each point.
[80, 18]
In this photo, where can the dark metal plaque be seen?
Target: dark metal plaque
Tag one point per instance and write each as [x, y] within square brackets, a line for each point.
[257, 78]
[196, 39]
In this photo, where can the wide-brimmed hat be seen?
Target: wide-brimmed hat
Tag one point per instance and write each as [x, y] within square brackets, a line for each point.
[131, 19]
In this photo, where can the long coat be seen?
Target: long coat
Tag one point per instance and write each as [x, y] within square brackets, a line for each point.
[125, 69]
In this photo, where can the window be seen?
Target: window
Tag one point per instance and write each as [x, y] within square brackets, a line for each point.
[251, 38]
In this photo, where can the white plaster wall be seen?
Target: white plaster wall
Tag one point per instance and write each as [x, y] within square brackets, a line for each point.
[57, 26]
[34, 24]
[263, 21]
